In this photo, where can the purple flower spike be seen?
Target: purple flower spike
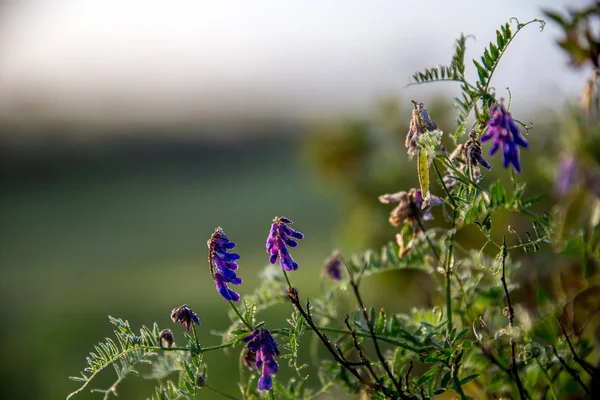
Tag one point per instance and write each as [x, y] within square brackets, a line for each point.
[184, 316]
[261, 351]
[223, 264]
[505, 133]
[280, 236]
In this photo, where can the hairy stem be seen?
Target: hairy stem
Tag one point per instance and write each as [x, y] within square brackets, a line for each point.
[248, 325]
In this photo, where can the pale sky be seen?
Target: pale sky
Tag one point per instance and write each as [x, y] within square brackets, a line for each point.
[175, 60]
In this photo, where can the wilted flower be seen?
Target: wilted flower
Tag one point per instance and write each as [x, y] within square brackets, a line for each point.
[419, 123]
[184, 316]
[411, 208]
[200, 380]
[505, 133]
[333, 266]
[223, 264]
[473, 152]
[280, 236]
[261, 350]
[166, 338]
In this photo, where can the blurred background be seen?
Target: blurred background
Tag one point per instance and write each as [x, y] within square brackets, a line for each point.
[130, 130]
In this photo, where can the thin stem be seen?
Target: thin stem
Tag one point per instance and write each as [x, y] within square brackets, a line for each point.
[511, 317]
[241, 317]
[571, 372]
[242, 380]
[376, 386]
[448, 268]
[383, 361]
[366, 335]
[548, 378]
[437, 170]
[227, 396]
[287, 279]
[195, 336]
[271, 395]
[359, 351]
[587, 368]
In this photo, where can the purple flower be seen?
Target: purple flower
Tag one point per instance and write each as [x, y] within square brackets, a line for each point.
[333, 266]
[280, 236]
[223, 264]
[261, 350]
[184, 316]
[567, 176]
[505, 133]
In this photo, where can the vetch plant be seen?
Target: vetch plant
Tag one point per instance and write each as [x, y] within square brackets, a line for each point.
[481, 341]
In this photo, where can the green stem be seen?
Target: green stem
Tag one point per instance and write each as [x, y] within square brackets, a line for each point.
[195, 336]
[271, 395]
[367, 335]
[448, 269]
[242, 380]
[548, 378]
[287, 279]
[227, 396]
[437, 170]
[240, 316]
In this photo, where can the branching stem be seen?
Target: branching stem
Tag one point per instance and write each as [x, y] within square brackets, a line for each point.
[511, 315]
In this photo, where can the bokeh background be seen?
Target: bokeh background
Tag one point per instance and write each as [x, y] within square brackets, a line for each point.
[130, 130]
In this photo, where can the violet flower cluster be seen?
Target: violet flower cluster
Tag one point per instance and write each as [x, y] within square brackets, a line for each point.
[280, 236]
[502, 128]
[223, 264]
[260, 353]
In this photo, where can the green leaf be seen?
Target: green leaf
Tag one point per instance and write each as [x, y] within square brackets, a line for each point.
[497, 194]
[429, 375]
[481, 72]
[468, 379]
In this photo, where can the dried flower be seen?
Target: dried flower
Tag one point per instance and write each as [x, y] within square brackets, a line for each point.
[184, 316]
[505, 133]
[411, 208]
[200, 380]
[280, 236]
[419, 123]
[473, 152]
[261, 350]
[333, 266]
[589, 101]
[166, 338]
[223, 264]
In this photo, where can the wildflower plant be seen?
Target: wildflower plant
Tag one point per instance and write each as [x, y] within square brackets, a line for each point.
[480, 341]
